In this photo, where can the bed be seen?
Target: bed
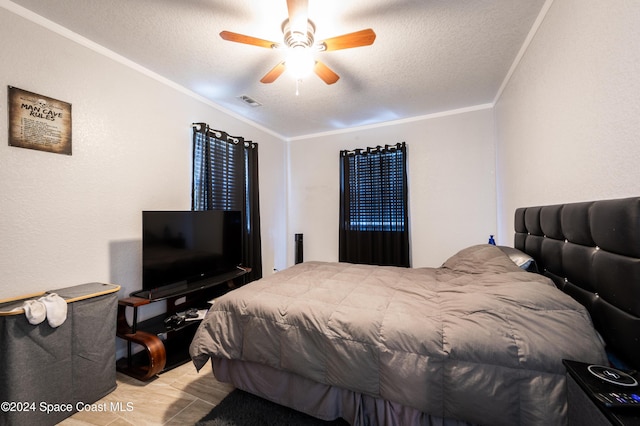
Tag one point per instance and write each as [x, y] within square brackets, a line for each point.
[479, 340]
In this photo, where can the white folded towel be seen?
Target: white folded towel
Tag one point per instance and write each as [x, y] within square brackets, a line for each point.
[56, 309]
[35, 311]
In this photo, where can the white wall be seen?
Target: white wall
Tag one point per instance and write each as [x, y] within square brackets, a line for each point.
[451, 184]
[568, 122]
[67, 220]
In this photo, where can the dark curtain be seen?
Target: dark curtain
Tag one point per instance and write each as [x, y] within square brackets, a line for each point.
[374, 217]
[225, 177]
[253, 246]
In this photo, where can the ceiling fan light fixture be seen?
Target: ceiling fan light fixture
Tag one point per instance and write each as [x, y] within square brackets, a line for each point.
[299, 41]
[296, 37]
[300, 62]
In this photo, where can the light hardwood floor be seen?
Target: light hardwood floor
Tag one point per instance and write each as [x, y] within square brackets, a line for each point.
[180, 396]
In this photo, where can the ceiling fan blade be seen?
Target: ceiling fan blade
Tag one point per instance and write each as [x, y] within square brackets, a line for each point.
[346, 41]
[245, 39]
[275, 72]
[298, 15]
[325, 73]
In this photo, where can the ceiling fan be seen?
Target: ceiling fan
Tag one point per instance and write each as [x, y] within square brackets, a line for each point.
[299, 31]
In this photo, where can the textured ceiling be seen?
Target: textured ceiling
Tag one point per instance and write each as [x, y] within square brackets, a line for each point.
[429, 56]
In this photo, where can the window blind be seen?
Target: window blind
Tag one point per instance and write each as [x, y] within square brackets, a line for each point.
[376, 189]
[218, 173]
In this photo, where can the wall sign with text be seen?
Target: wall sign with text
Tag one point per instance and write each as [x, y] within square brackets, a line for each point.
[39, 122]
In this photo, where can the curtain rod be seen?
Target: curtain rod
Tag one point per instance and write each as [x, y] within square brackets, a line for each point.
[373, 150]
[199, 128]
[220, 134]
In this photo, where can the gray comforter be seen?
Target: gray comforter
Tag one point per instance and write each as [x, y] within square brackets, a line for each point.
[477, 339]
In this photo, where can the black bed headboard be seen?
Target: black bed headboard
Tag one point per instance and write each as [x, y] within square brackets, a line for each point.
[591, 251]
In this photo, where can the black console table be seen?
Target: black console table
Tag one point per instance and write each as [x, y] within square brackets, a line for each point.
[584, 406]
[165, 347]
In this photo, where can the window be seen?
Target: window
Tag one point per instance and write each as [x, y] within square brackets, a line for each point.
[218, 173]
[225, 177]
[376, 184]
[373, 206]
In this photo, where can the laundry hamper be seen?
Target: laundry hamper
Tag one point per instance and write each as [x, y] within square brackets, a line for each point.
[47, 373]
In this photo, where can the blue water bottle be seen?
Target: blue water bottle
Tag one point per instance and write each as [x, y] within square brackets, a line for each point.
[491, 240]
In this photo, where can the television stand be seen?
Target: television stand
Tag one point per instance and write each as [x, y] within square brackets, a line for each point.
[166, 347]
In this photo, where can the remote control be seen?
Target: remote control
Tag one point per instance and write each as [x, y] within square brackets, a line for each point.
[619, 399]
[191, 313]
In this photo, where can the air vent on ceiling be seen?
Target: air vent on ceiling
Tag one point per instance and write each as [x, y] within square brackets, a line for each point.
[249, 101]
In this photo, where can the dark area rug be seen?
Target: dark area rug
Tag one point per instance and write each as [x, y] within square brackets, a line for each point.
[240, 408]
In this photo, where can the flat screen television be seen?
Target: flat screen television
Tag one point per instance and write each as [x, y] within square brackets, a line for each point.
[183, 247]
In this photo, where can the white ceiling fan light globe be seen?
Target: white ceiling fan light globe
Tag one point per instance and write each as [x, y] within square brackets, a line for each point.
[300, 62]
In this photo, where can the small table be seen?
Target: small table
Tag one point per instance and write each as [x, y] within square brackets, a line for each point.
[585, 409]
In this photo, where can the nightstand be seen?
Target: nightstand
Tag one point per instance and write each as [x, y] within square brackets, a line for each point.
[585, 409]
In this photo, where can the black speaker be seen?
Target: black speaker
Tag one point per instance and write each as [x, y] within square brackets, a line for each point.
[299, 255]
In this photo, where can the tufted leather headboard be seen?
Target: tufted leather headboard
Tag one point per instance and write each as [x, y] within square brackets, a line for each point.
[591, 251]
